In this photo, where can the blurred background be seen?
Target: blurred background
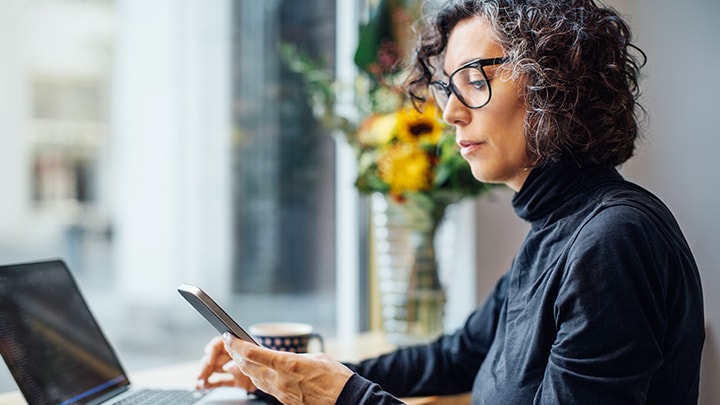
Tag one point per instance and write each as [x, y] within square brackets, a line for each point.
[153, 143]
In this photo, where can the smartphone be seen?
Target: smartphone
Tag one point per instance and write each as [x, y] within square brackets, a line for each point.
[210, 310]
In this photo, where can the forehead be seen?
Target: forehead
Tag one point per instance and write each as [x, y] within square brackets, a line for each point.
[470, 39]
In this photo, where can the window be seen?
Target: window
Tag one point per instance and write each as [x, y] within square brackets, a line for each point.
[283, 159]
[166, 142]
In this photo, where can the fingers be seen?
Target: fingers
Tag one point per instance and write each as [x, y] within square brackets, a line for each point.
[217, 369]
[290, 377]
[215, 349]
[241, 350]
[259, 376]
[258, 363]
[239, 379]
[215, 381]
[212, 362]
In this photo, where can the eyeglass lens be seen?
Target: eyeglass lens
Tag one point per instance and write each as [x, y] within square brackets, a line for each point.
[469, 84]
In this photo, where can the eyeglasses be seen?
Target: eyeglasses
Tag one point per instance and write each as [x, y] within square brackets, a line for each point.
[469, 83]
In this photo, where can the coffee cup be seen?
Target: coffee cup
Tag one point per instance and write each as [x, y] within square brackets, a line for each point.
[286, 336]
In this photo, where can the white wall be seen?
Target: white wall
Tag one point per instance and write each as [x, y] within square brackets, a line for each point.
[677, 160]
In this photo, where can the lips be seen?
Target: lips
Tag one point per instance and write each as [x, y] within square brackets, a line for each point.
[468, 147]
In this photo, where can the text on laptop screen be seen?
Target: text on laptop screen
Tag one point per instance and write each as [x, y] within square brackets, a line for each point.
[49, 339]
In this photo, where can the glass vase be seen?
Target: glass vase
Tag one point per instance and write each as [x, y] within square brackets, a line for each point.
[412, 297]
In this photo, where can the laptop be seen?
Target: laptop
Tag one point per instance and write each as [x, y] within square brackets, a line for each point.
[57, 352]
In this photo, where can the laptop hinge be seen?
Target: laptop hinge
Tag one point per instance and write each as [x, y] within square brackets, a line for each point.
[107, 396]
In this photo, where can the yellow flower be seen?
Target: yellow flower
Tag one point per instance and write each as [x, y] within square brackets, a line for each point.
[420, 127]
[377, 129]
[405, 167]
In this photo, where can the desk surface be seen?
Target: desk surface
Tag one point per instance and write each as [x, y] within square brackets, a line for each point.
[355, 349]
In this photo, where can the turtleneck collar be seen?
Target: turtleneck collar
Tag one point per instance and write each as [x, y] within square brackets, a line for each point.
[551, 185]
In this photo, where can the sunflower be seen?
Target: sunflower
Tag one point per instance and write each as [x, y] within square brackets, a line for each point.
[421, 127]
[405, 167]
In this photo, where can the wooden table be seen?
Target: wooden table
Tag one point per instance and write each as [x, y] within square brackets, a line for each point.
[354, 349]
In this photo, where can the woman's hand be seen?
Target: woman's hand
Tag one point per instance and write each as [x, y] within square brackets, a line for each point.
[218, 369]
[291, 378]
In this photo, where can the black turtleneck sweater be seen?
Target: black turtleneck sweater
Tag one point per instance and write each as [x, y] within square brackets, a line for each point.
[602, 305]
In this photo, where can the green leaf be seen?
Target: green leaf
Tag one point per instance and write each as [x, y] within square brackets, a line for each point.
[378, 28]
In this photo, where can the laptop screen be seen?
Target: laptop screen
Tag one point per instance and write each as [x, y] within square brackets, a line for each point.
[50, 340]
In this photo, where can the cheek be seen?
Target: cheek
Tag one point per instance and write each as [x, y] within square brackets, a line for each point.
[507, 156]
[516, 140]
[512, 124]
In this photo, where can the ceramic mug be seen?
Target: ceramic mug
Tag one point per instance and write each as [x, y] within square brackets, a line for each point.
[286, 336]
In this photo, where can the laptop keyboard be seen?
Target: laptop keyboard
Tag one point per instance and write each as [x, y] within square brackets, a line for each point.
[160, 397]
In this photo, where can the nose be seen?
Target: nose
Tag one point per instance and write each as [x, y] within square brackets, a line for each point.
[455, 112]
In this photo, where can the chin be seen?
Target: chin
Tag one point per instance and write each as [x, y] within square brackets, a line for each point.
[480, 175]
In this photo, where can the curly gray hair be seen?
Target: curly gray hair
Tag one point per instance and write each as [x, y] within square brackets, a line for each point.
[577, 64]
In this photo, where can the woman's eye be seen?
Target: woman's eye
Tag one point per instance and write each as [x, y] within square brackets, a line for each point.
[478, 84]
[471, 80]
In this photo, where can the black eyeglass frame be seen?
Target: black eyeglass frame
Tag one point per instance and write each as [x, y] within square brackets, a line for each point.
[479, 64]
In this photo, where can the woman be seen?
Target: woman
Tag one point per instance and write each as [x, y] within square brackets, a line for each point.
[603, 302]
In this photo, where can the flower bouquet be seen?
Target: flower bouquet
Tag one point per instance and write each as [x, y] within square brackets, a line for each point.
[407, 158]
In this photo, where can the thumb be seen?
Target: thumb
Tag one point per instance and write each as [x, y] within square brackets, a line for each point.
[243, 351]
[240, 379]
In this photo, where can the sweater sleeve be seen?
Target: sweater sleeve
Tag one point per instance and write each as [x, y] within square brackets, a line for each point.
[359, 390]
[446, 366]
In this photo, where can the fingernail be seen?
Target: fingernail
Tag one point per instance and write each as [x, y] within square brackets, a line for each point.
[226, 336]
